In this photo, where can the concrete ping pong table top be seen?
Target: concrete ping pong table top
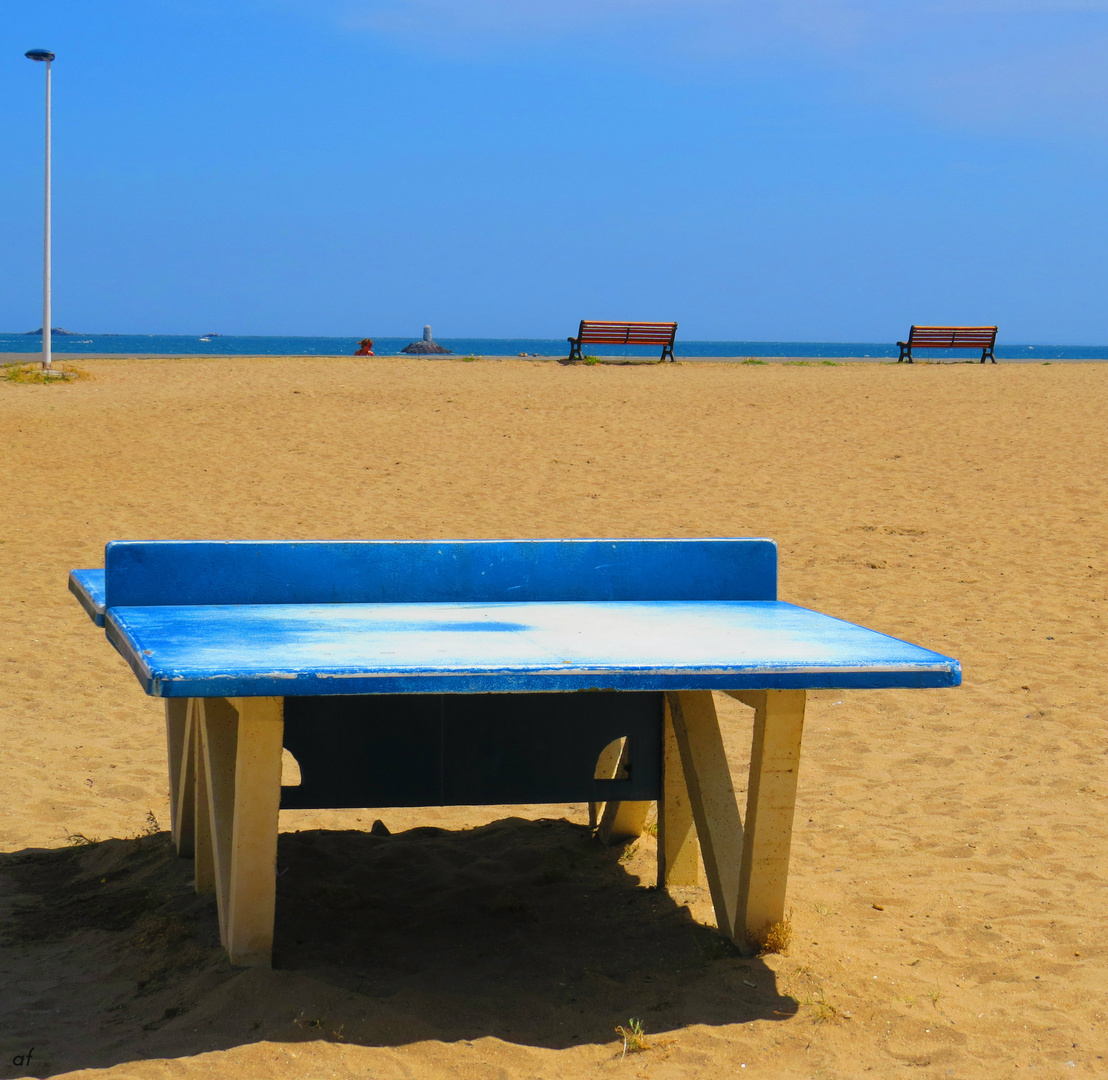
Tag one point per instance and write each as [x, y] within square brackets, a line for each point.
[515, 671]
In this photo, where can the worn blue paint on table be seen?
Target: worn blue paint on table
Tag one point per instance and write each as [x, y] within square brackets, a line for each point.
[309, 649]
[190, 572]
[326, 618]
[88, 587]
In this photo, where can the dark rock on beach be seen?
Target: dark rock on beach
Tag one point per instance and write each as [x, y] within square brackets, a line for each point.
[425, 347]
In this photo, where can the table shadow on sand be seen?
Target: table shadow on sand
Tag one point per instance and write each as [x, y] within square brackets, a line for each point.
[529, 931]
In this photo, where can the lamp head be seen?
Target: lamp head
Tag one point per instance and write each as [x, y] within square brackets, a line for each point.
[39, 54]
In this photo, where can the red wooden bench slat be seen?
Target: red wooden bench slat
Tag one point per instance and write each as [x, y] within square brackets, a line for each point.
[665, 332]
[648, 339]
[608, 328]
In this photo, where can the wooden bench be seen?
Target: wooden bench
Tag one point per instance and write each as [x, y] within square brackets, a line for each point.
[594, 332]
[481, 672]
[949, 337]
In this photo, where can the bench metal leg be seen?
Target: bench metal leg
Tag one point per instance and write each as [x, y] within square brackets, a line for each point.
[678, 855]
[770, 802]
[240, 757]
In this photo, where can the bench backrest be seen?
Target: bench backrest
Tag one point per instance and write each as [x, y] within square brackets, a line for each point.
[626, 333]
[953, 337]
[187, 572]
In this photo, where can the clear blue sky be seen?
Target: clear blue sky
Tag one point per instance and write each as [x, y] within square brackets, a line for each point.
[756, 169]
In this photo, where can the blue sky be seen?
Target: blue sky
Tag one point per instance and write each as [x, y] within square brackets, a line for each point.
[756, 169]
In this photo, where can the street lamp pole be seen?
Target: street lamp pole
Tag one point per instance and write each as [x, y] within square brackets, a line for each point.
[45, 56]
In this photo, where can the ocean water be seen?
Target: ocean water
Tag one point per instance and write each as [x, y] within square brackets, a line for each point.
[192, 345]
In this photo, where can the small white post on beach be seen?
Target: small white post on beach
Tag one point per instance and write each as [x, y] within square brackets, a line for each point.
[45, 56]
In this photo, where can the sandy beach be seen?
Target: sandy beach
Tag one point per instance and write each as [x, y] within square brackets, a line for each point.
[949, 867]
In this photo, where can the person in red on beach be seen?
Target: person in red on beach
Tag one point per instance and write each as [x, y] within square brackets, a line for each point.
[365, 347]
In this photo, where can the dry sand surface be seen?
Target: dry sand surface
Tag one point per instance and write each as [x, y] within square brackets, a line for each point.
[949, 883]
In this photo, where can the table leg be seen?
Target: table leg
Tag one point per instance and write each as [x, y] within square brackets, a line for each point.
[182, 776]
[770, 802]
[622, 820]
[241, 749]
[616, 819]
[607, 766]
[203, 857]
[712, 798]
[678, 856]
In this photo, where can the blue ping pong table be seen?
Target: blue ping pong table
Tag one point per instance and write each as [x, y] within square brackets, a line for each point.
[481, 672]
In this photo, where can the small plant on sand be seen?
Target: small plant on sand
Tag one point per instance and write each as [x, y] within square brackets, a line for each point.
[751, 360]
[152, 827]
[716, 947]
[633, 1036]
[797, 363]
[829, 363]
[468, 359]
[76, 839]
[776, 937]
[591, 359]
[34, 373]
[935, 995]
[822, 1010]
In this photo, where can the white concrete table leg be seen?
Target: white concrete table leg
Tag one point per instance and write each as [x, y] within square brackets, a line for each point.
[616, 819]
[678, 855]
[219, 729]
[623, 820]
[203, 857]
[241, 742]
[770, 802]
[712, 798]
[182, 775]
[607, 766]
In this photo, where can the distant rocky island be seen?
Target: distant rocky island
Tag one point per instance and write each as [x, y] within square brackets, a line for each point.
[427, 345]
[55, 331]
